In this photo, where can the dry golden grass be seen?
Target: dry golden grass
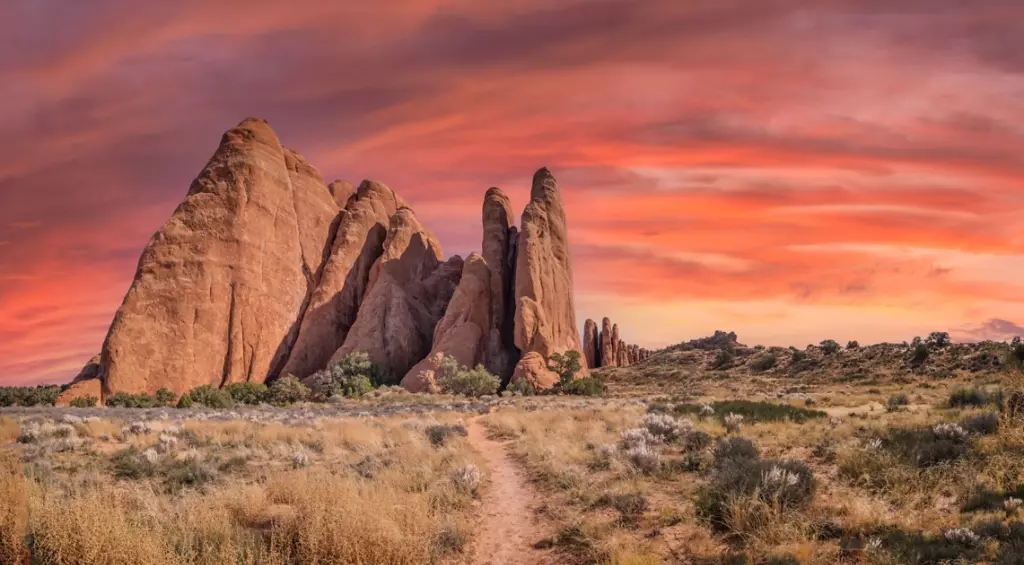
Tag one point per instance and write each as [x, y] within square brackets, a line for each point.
[13, 509]
[375, 492]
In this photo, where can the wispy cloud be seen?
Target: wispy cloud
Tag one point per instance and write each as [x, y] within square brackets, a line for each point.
[777, 167]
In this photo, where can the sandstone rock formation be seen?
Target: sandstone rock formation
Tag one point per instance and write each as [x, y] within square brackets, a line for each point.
[463, 331]
[409, 290]
[545, 316]
[608, 347]
[265, 271]
[591, 347]
[533, 369]
[357, 244]
[607, 351]
[81, 389]
[477, 327]
[499, 253]
[220, 288]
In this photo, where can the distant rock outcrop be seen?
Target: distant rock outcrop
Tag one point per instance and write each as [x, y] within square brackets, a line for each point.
[609, 350]
[264, 271]
[220, 288]
[607, 355]
[591, 346]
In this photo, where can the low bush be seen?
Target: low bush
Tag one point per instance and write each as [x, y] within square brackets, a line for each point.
[723, 360]
[125, 400]
[468, 382]
[630, 506]
[287, 390]
[439, 433]
[84, 402]
[521, 387]
[754, 411]
[352, 376]
[666, 427]
[897, 401]
[42, 395]
[247, 393]
[185, 401]
[735, 450]
[211, 397]
[968, 397]
[164, 397]
[763, 362]
[829, 347]
[925, 447]
[982, 424]
[739, 476]
[587, 386]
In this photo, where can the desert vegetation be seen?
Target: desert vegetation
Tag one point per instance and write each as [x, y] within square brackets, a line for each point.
[278, 487]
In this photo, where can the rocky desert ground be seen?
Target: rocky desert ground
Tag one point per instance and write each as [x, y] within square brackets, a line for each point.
[705, 452]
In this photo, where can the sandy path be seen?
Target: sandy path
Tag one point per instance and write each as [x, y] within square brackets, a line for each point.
[509, 526]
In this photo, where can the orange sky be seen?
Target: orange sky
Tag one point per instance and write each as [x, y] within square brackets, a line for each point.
[792, 171]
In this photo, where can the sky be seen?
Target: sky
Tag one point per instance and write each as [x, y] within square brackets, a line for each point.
[789, 170]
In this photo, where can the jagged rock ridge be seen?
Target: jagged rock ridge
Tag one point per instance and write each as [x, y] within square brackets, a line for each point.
[265, 271]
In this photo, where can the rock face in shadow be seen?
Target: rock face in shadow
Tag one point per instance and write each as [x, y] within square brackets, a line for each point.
[409, 290]
[591, 347]
[462, 332]
[220, 288]
[545, 316]
[499, 253]
[357, 244]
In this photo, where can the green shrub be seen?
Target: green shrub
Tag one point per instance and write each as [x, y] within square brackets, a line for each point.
[938, 340]
[288, 390]
[588, 386]
[735, 449]
[852, 345]
[475, 382]
[247, 393]
[84, 402]
[829, 347]
[522, 386]
[920, 354]
[967, 397]
[164, 397]
[723, 360]
[763, 362]
[42, 395]
[352, 376]
[755, 411]
[185, 401]
[211, 397]
[125, 400]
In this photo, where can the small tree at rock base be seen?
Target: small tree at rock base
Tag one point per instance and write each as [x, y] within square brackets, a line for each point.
[567, 365]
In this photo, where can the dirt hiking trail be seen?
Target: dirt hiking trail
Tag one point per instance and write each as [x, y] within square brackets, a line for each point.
[509, 526]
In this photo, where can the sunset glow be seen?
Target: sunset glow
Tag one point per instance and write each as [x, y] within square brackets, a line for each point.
[851, 170]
